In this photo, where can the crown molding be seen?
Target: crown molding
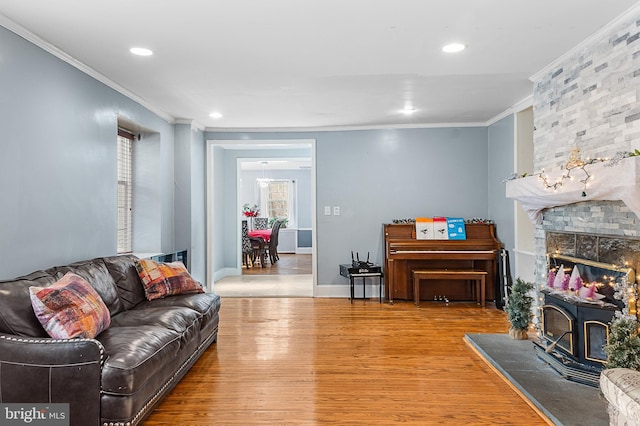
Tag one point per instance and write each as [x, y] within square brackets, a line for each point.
[48, 47]
[195, 125]
[340, 128]
[630, 14]
[519, 106]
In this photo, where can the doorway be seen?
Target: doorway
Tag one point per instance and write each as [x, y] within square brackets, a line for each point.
[233, 168]
[277, 188]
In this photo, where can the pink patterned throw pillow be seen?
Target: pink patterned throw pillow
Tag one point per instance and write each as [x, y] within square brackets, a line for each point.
[165, 279]
[70, 308]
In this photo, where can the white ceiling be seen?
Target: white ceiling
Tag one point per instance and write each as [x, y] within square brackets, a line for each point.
[279, 64]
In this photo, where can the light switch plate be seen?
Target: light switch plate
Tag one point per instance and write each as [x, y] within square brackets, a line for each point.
[327, 210]
[336, 210]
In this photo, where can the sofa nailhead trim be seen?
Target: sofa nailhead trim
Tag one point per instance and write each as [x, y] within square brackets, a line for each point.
[56, 341]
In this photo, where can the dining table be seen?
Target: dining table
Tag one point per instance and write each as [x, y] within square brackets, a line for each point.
[264, 233]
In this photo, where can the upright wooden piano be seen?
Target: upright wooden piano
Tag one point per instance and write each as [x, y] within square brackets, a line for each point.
[404, 253]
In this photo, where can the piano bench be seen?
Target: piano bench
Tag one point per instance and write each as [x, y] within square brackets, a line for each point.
[446, 274]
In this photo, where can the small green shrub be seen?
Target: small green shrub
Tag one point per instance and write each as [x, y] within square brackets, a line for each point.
[623, 349]
[518, 306]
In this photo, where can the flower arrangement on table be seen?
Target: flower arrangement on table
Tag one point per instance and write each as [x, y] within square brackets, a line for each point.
[253, 211]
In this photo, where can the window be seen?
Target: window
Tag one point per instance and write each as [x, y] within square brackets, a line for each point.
[125, 181]
[277, 199]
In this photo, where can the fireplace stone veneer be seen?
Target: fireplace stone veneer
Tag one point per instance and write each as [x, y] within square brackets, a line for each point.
[588, 99]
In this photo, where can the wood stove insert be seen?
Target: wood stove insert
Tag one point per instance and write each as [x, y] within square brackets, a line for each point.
[576, 330]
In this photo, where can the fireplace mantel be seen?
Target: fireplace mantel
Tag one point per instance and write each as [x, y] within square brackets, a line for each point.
[611, 183]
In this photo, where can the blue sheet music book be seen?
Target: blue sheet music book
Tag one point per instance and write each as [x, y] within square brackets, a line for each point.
[456, 228]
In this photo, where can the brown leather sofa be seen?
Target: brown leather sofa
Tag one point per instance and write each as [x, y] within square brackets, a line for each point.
[121, 375]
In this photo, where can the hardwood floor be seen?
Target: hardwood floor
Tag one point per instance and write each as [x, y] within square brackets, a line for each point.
[289, 264]
[324, 361]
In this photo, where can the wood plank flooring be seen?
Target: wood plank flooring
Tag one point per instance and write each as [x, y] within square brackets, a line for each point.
[324, 361]
[289, 264]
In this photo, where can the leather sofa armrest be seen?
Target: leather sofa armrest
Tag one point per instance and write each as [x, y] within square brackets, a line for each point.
[43, 370]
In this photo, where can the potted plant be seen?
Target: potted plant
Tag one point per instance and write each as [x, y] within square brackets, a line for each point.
[283, 220]
[623, 348]
[518, 309]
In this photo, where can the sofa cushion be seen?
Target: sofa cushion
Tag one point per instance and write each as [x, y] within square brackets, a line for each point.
[70, 308]
[207, 304]
[177, 318]
[96, 274]
[16, 313]
[123, 270]
[184, 321]
[136, 355]
[202, 302]
[165, 279]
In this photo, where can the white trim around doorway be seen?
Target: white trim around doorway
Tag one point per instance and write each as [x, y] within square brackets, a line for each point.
[217, 216]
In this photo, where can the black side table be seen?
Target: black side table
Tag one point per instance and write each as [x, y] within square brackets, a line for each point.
[351, 272]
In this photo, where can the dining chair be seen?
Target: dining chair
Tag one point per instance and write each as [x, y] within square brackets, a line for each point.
[247, 248]
[273, 242]
[252, 248]
[259, 248]
[261, 222]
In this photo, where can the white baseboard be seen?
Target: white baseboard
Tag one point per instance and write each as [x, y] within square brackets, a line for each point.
[322, 290]
[226, 272]
[304, 250]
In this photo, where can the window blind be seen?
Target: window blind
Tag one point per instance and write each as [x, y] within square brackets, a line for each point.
[125, 181]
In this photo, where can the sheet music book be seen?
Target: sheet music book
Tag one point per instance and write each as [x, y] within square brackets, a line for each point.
[424, 228]
[440, 230]
[456, 228]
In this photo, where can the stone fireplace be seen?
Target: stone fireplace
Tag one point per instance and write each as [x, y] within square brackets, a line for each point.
[586, 108]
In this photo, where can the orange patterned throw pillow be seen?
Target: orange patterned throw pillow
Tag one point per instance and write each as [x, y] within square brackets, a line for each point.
[70, 308]
[165, 279]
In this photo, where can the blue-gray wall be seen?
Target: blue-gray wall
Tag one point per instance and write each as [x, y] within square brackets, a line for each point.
[58, 168]
[58, 164]
[376, 176]
[190, 196]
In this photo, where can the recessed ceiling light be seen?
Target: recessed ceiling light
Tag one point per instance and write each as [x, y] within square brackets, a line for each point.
[408, 110]
[453, 48]
[141, 51]
[215, 115]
